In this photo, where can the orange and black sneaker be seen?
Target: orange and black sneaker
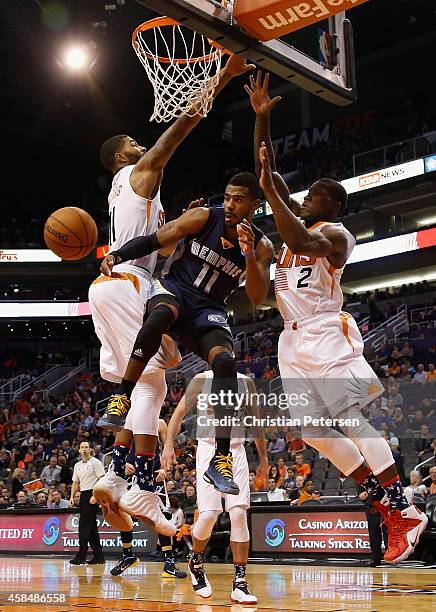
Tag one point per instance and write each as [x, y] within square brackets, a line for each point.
[116, 411]
[220, 474]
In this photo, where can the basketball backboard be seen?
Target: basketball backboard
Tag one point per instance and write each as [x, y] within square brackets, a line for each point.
[336, 84]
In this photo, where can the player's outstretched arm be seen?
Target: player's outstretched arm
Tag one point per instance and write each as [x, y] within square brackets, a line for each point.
[147, 174]
[257, 263]
[262, 105]
[330, 242]
[188, 224]
[257, 430]
[188, 401]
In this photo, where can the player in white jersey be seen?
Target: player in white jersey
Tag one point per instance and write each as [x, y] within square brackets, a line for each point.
[209, 500]
[321, 350]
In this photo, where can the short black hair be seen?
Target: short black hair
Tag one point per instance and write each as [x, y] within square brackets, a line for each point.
[108, 150]
[336, 191]
[249, 180]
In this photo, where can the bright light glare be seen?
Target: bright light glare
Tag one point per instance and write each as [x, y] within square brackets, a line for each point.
[76, 58]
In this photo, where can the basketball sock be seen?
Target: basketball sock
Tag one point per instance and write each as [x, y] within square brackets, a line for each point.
[166, 544]
[197, 558]
[239, 571]
[119, 459]
[395, 493]
[126, 387]
[144, 471]
[126, 539]
[372, 486]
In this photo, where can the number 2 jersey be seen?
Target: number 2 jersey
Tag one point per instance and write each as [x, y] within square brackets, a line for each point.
[306, 286]
[207, 264]
[132, 216]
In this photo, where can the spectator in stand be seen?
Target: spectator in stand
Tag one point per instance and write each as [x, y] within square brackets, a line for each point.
[41, 499]
[431, 374]
[291, 474]
[275, 493]
[252, 482]
[249, 373]
[303, 469]
[171, 486]
[415, 486]
[190, 499]
[295, 442]
[407, 350]
[5, 459]
[399, 424]
[405, 373]
[308, 492]
[295, 493]
[420, 375]
[17, 482]
[274, 473]
[432, 488]
[428, 410]
[55, 501]
[23, 500]
[276, 445]
[423, 443]
[65, 474]
[281, 468]
[416, 420]
[396, 353]
[76, 500]
[52, 472]
[394, 369]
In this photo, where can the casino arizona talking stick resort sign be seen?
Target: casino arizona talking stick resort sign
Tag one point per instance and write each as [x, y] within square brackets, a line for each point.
[268, 19]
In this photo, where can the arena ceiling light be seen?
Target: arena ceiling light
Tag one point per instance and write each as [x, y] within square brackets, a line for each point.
[76, 58]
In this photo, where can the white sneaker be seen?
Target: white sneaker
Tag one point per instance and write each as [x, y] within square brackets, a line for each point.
[241, 594]
[200, 583]
[146, 506]
[108, 492]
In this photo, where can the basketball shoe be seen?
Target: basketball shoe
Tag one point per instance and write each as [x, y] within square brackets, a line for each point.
[108, 492]
[404, 530]
[241, 593]
[146, 506]
[170, 570]
[199, 580]
[116, 411]
[126, 562]
[220, 474]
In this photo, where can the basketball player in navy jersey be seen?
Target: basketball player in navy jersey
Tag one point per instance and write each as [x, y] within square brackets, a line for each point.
[217, 248]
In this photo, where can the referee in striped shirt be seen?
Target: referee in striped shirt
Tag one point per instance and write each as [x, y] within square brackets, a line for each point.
[85, 475]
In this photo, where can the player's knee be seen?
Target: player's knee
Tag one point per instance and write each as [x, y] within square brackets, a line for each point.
[204, 524]
[239, 526]
[224, 365]
[320, 438]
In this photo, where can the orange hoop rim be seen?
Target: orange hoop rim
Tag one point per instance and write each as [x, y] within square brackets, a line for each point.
[168, 22]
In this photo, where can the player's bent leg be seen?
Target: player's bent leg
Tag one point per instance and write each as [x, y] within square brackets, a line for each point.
[163, 312]
[128, 559]
[170, 569]
[200, 536]
[338, 449]
[239, 542]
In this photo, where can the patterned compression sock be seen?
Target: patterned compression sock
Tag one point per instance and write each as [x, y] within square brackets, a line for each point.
[126, 539]
[144, 471]
[373, 487]
[197, 558]
[119, 459]
[239, 572]
[395, 493]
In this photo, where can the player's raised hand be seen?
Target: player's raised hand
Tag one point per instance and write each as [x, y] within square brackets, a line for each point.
[168, 458]
[246, 237]
[266, 178]
[259, 94]
[198, 203]
[160, 475]
[129, 470]
[107, 264]
[237, 65]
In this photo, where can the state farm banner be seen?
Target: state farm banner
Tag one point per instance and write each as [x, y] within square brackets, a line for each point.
[311, 532]
[59, 533]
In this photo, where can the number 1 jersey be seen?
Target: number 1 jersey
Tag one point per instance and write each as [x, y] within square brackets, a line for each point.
[306, 286]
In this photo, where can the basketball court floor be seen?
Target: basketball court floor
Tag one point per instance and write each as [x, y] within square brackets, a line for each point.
[278, 587]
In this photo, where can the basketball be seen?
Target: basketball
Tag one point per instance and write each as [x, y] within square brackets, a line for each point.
[71, 233]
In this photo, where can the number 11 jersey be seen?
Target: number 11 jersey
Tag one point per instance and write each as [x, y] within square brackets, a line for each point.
[306, 286]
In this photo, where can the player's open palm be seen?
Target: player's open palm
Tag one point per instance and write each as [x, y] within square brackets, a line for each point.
[237, 65]
[259, 94]
[246, 237]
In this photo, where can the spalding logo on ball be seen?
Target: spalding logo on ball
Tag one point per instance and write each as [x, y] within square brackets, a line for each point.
[71, 233]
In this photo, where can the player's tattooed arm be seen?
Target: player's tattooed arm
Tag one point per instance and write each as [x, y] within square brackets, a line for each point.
[189, 224]
[330, 242]
[147, 174]
[186, 404]
[262, 105]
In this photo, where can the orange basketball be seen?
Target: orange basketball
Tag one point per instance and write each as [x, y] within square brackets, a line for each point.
[71, 233]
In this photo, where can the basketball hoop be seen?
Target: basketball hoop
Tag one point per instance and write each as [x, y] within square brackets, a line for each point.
[182, 66]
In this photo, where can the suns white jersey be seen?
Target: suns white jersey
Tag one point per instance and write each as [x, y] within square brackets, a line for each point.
[307, 286]
[132, 216]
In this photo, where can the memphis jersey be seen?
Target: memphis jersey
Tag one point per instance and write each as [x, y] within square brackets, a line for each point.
[306, 286]
[208, 263]
[132, 216]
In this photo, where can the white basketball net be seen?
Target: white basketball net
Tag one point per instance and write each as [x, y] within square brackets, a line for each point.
[183, 68]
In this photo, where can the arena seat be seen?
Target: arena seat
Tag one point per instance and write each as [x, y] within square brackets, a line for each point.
[311, 502]
[333, 483]
[318, 474]
[329, 492]
[333, 472]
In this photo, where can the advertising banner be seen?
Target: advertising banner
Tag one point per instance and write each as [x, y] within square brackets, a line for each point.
[314, 532]
[59, 533]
